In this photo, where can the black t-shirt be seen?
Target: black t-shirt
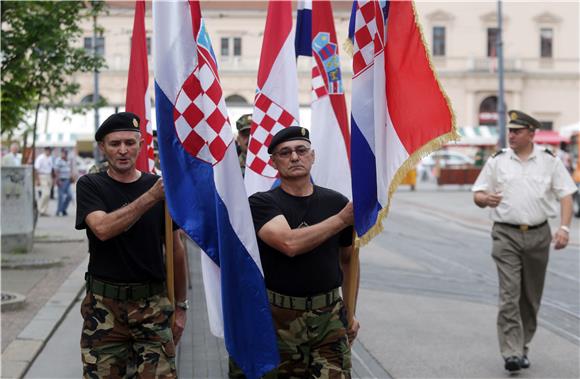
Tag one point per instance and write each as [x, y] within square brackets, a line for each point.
[136, 255]
[311, 273]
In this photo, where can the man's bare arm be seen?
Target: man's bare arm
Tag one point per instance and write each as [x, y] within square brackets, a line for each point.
[292, 242]
[561, 237]
[108, 225]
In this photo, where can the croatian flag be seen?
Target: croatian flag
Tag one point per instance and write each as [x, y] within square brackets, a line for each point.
[276, 101]
[399, 110]
[138, 99]
[204, 187]
[330, 135]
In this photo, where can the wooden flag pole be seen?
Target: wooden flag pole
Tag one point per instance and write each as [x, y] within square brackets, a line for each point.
[352, 285]
[169, 259]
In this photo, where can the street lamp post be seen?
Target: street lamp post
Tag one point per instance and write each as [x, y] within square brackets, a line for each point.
[500, 103]
[96, 152]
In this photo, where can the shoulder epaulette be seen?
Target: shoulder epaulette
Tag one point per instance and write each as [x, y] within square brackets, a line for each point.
[546, 150]
[499, 152]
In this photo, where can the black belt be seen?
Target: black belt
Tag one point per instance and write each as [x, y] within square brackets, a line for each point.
[304, 303]
[523, 228]
[124, 291]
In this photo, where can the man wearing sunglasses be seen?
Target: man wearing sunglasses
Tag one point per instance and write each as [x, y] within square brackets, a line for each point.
[521, 185]
[305, 240]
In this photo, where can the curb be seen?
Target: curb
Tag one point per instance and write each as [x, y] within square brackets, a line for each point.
[21, 353]
[12, 300]
[30, 263]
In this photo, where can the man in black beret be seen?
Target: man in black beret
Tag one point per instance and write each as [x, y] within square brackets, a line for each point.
[522, 185]
[244, 125]
[305, 237]
[126, 310]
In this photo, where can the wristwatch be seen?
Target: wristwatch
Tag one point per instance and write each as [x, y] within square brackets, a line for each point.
[565, 228]
[183, 304]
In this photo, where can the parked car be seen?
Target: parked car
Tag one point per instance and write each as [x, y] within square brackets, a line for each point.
[447, 158]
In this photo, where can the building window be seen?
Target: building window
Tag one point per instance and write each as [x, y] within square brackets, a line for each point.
[439, 41]
[237, 46]
[231, 46]
[546, 38]
[492, 38]
[547, 125]
[100, 45]
[488, 111]
[225, 47]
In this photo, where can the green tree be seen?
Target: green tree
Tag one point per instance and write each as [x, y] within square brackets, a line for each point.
[40, 54]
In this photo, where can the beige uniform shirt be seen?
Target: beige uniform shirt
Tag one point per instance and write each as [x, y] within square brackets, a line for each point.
[529, 188]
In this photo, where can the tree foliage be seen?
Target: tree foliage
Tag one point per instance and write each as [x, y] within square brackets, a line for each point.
[40, 53]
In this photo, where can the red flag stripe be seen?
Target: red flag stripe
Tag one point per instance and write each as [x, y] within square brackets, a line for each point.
[138, 81]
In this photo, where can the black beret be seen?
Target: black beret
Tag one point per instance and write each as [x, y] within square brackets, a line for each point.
[244, 122]
[118, 122]
[290, 133]
[520, 120]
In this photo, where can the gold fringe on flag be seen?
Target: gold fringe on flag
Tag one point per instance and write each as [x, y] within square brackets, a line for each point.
[348, 47]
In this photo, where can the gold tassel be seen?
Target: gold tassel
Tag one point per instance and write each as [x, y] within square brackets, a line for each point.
[348, 47]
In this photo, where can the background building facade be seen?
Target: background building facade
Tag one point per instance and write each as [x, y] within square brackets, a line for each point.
[541, 55]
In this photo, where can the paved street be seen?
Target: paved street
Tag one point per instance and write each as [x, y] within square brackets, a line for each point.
[428, 295]
[427, 303]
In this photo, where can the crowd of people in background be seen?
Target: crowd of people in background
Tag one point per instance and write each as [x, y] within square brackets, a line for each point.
[53, 176]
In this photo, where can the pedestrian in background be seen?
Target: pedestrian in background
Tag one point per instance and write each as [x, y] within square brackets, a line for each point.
[565, 157]
[13, 157]
[43, 166]
[521, 185]
[244, 125]
[63, 173]
[126, 310]
[305, 236]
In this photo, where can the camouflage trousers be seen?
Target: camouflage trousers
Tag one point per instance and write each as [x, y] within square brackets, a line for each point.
[126, 339]
[312, 344]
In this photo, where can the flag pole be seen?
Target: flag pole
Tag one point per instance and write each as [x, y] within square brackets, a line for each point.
[353, 279]
[169, 259]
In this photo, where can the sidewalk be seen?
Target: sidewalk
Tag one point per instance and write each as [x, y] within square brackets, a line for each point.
[50, 278]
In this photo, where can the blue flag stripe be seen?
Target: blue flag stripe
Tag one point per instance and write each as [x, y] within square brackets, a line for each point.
[203, 215]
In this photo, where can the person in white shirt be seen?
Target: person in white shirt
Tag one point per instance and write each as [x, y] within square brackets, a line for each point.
[521, 185]
[43, 178]
[13, 158]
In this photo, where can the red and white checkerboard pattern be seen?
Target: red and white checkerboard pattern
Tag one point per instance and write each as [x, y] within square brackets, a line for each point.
[367, 41]
[268, 119]
[200, 116]
[318, 87]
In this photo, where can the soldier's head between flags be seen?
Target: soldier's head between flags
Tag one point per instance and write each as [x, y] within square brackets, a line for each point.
[118, 122]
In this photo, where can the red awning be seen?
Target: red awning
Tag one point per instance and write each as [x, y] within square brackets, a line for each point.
[549, 137]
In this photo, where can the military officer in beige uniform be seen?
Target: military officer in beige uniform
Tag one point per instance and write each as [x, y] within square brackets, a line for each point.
[521, 185]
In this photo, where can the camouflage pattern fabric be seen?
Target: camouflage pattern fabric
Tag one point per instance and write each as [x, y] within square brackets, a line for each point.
[99, 167]
[312, 344]
[127, 338]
